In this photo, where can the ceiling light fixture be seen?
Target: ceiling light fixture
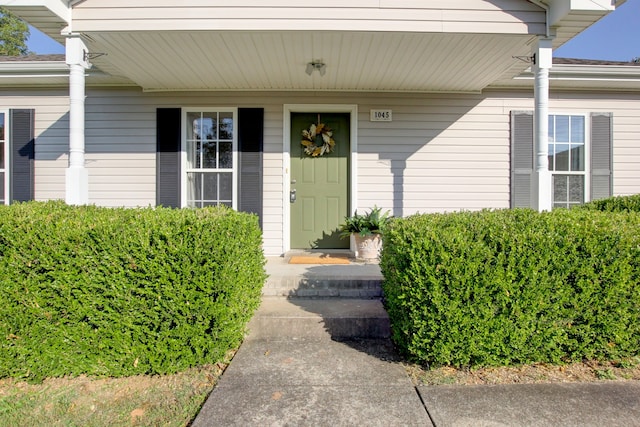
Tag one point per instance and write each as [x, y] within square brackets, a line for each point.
[316, 65]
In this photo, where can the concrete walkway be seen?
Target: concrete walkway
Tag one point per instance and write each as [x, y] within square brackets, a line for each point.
[318, 381]
[313, 382]
[611, 404]
[302, 366]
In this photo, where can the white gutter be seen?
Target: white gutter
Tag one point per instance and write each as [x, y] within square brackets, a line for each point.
[589, 72]
[20, 69]
[41, 73]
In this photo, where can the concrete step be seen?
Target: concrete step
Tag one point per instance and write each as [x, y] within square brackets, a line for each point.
[331, 318]
[356, 280]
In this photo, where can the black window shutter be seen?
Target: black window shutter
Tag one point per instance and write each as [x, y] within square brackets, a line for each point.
[250, 148]
[601, 155]
[521, 159]
[22, 154]
[168, 137]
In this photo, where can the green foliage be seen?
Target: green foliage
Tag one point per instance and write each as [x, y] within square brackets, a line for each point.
[514, 286]
[615, 204]
[118, 292]
[14, 33]
[366, 224]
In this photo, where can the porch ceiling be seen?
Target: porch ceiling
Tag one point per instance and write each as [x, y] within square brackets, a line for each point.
[276, 60]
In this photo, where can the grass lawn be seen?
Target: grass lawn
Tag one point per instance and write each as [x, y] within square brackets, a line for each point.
[170, 400]
[588, 371]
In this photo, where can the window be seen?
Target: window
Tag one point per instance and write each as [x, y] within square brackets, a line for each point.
[210, 158]
[567, 160]
[3, 157]
[580, 158]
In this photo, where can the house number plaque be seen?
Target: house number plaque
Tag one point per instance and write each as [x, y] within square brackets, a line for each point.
[381, 116]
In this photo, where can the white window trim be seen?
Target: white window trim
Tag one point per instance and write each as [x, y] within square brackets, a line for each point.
[587, 154]
[7, 162]
[183, 151]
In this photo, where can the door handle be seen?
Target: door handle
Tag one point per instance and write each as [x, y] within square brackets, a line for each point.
[292, 196]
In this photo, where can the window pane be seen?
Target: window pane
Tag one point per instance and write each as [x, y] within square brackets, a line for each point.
[226, 186]
[193, 154]
[1, 187]
[577, 158]
[560, 185]
[1, 158]
[209, 155]
[194, 187]
[208, 125]
[552, 130]
[562, 157]
[577, 129]
[576, 189]
[551, 157]
[226, 155]
[193, 126]
[1, 126]
[210, 190]
[226, 126]
[562, 129]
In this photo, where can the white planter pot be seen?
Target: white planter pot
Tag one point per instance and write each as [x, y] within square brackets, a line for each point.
[367, 248]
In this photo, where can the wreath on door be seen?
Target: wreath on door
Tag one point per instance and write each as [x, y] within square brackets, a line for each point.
[318, 140]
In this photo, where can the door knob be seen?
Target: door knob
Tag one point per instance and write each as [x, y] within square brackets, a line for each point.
[292, 196]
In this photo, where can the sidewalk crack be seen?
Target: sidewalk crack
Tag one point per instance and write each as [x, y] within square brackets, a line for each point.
[424, 405]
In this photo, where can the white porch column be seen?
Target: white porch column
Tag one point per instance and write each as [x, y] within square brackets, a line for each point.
[77, 176]
[543, 61]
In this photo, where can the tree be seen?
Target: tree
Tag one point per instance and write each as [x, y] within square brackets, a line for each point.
[14, 33]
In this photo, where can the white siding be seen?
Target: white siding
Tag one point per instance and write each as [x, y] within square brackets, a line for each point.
[440, 152]
[466, 16]
[52, 135]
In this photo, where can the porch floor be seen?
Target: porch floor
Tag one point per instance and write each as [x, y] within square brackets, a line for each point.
[355, 280]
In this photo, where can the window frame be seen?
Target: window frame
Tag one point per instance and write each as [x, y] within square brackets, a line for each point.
[234, 170]
[7, 160]
[586, 173]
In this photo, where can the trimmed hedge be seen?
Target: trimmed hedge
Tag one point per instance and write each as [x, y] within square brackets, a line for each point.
[118, 292]
[515, 286]
[614, 204]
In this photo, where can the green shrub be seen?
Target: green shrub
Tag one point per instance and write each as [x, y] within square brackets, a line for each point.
[615, 204]
[117, 292]
[513, 286]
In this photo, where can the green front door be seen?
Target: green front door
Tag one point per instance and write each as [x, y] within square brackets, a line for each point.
[319, 185]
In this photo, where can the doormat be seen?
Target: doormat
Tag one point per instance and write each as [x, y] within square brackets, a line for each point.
[319, 259]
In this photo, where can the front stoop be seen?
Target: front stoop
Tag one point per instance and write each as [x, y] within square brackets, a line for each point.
[357, 280]
[332, 318]
[321, 301]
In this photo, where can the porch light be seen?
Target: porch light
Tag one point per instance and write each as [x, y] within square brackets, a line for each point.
[316, 65]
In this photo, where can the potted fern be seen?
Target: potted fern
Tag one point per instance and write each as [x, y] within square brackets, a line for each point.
[365, 231]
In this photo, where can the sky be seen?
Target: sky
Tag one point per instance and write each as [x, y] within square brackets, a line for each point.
[616, 37]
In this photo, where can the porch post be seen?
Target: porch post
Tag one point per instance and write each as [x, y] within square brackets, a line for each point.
[542, 64]
[77, 176]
